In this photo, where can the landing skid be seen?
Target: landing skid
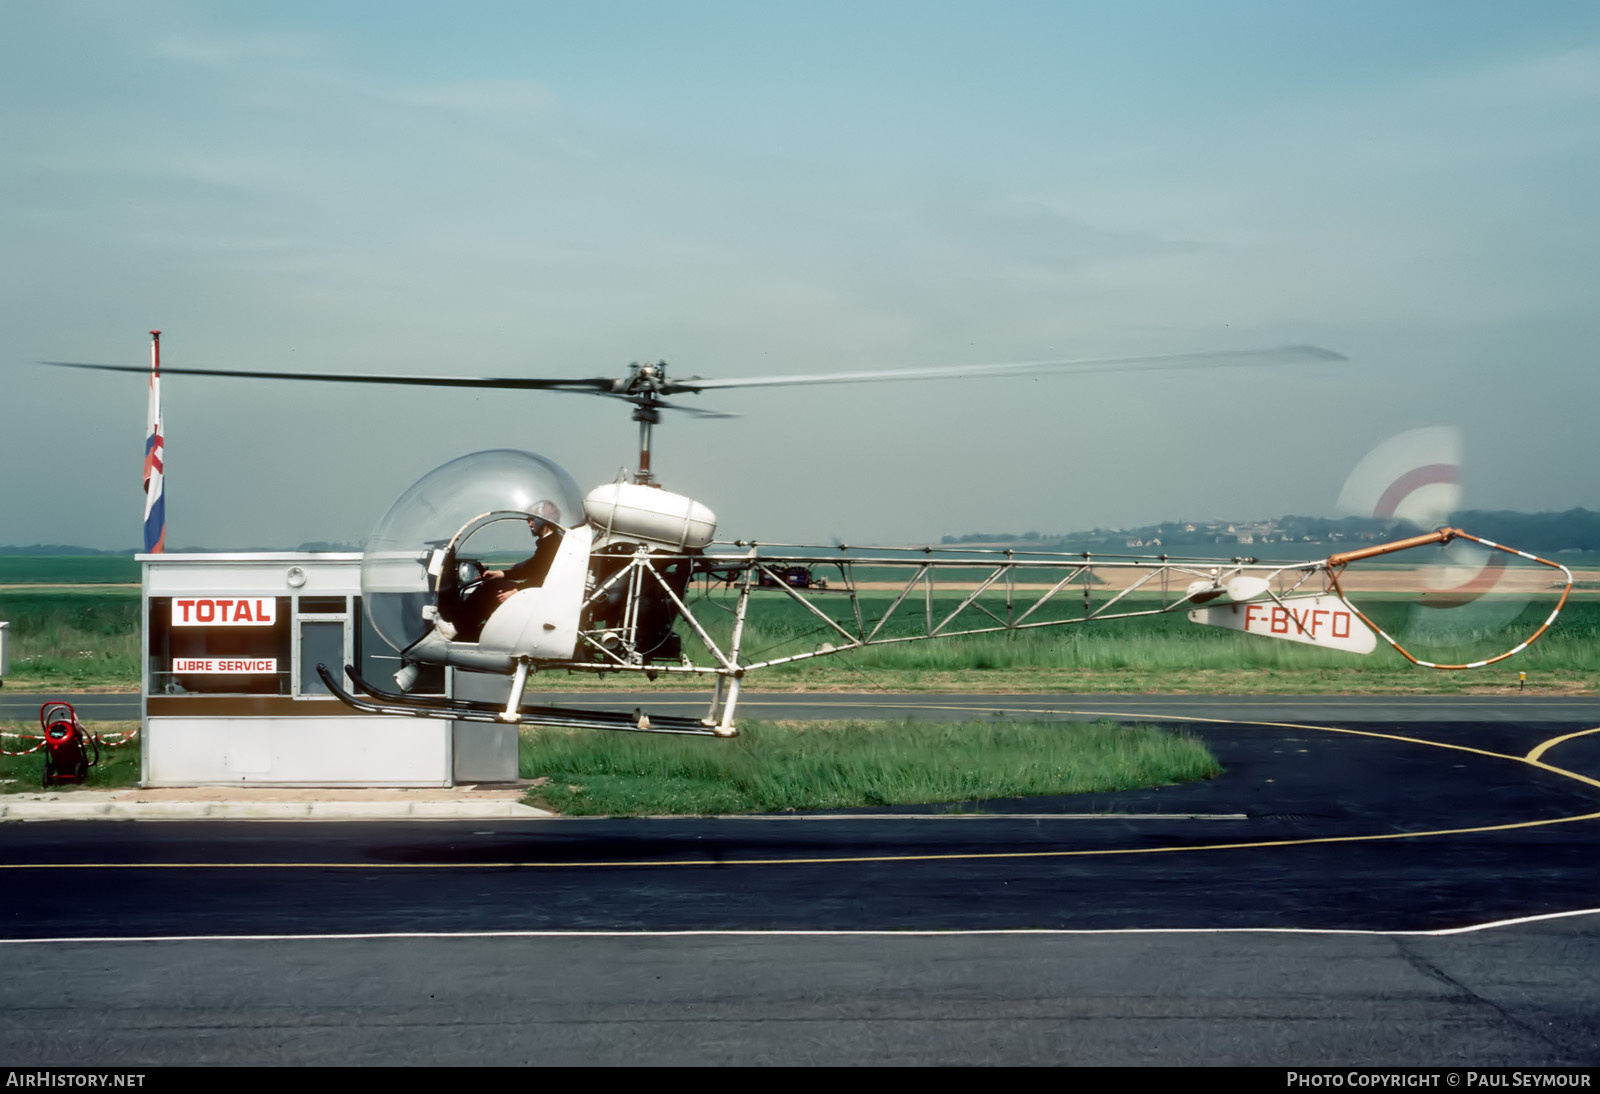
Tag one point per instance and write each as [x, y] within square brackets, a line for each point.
[468, 710]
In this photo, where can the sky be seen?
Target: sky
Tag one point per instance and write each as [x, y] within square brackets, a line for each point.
[739, 189]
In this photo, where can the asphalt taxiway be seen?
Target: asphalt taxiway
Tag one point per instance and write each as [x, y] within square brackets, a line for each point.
[1351, 891]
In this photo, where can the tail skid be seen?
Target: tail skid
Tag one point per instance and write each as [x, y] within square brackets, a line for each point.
[1337, 563]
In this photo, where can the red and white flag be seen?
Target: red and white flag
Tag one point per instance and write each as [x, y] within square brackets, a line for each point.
[155, 504]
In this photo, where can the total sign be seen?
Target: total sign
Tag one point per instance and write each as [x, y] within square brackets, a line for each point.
[1325, 621]
[224, 611]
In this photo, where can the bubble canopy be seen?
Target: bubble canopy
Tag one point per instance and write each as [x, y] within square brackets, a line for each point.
[394, 569]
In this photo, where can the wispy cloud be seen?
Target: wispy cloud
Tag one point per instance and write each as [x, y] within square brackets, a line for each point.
[233, 51]
[1563, 77]
[472, 96]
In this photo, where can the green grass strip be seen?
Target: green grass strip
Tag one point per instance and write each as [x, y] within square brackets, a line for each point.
[774, 767]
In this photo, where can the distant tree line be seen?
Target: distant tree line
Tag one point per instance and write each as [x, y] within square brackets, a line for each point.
[1573, 530]
[60, 549]
[1547, 533]
[66, 549]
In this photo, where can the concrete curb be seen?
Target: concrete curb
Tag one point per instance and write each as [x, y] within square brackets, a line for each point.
[103, 807]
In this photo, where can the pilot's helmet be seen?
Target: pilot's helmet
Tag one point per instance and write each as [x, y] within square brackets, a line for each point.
[541, 513]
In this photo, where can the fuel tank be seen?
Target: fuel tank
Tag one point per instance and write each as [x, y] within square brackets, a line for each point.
[645, 514]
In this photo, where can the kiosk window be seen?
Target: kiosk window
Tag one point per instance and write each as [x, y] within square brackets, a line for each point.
[320, 642]
[220, 645]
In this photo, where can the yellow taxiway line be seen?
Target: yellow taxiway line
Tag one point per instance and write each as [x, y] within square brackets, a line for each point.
[1531, 759]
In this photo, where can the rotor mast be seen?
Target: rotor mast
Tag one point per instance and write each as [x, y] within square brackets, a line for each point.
[647, 416]
[643, 389]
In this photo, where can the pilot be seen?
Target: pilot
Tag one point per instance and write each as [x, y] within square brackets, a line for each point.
[544, 521]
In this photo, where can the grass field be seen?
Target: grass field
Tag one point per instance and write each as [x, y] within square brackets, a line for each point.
[72, 638]
[88, 637]
[1168, 653]
[68, 570]
[774, 767]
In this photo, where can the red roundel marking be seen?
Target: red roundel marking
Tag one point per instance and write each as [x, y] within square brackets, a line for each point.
[1468, 591]
[1428, 475]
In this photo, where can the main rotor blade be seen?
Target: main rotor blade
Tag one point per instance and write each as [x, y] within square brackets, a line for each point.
[1272, 355]
[657, 403]
[586, 384]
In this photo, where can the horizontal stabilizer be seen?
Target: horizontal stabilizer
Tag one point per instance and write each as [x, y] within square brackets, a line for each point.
[1315, 620]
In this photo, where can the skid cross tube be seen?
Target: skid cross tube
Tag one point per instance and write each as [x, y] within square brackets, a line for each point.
[468, 710]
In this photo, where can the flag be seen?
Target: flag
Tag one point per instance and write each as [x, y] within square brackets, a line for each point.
[155, 503]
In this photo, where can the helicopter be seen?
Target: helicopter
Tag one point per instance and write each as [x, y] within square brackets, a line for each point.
[620, 576]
